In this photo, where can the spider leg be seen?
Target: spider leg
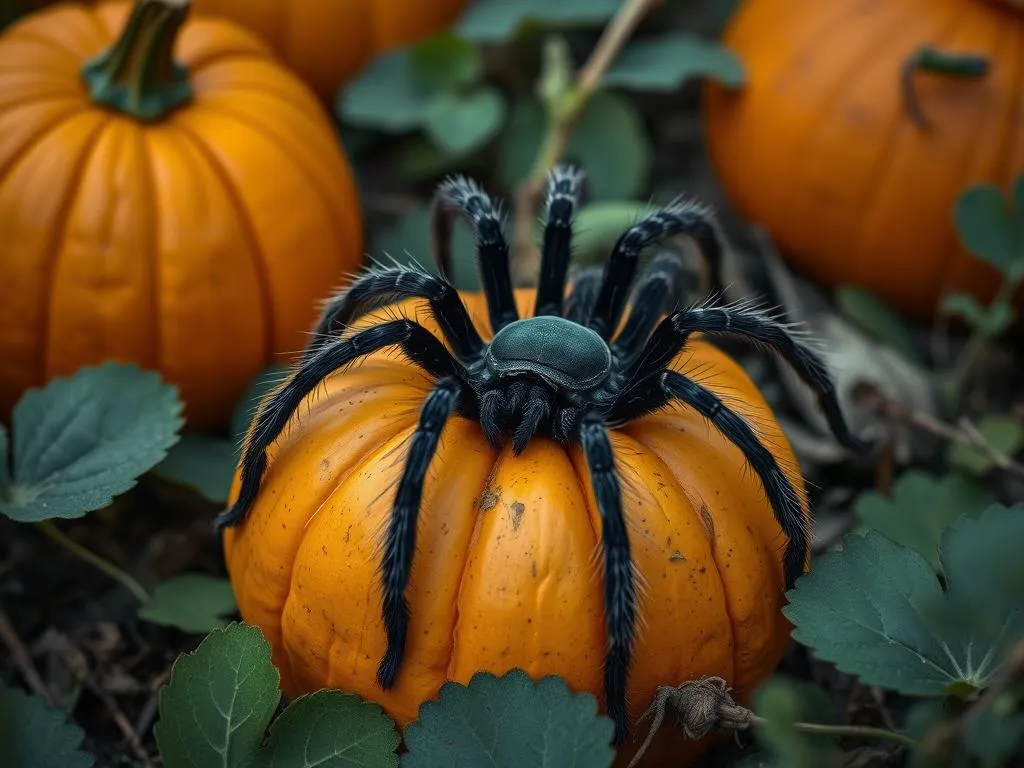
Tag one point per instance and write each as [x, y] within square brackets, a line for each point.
[685, 218]
[461, 195]
[655, 392]
[400, 540]
[563, 197]
[583, 294]
[657, 292]
[672, 333]
[382, 287]
[415, 341]
[619, 587]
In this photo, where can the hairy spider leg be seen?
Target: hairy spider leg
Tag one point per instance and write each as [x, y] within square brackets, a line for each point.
[462, 195]
[658, 292]
[655, 392]
[415, 341]
[688, 219]
[564, 185]
[620, 600]
[400, 539]
[583, 295]
[673, 332]
[389, 285]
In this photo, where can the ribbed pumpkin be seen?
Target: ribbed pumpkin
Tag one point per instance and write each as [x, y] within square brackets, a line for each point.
[820, 149]
[505, 573]
[186, 215]
[328, 41]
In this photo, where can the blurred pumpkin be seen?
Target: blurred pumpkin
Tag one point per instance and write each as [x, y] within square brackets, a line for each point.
[824, 149]
[328, 41]
[490, 588]
[185, 214]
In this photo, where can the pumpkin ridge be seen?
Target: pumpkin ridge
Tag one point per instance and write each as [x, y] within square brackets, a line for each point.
[680, 492]
[797, 209]
[373, 454]
[51, 260]
[286, 143]
[357, 464]
[1016, 110]
[149, 175]
[244, 218]
[877, 177]
[105, 34]
[25, 150]
[32, 36]
[950, 257]
[473, 539]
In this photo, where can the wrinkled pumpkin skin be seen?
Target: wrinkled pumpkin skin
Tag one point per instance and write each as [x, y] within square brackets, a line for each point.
[506, 572]
[326, 42]
[819, 149]
[197, 245]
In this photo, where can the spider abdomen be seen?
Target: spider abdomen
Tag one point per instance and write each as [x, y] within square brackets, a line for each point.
[565, 353]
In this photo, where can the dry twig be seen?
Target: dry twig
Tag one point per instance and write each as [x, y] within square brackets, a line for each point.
[963, 432]
[528, 195]
[22, 659]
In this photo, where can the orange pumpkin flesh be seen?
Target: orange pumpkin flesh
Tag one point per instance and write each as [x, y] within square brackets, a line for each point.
[326, 42]
[506, 572]
[819, 148]
[196, 242]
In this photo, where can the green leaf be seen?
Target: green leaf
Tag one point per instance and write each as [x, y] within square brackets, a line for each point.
[407, 241]
[666, 63]
[385, 95]
[446, 62]
[35, 735]
[329, 729]
[873, 317]
[992, 228]
[609, 142]
[191, 602]
[1002, 431]
[993, 320]
[494, 21]
[462, 122]
[783, 701]
[876, 609]
[203, 463]
[995, 733]
[921, 508]
[219, 700]
[80, 441]
[509, 722]
[245, 409]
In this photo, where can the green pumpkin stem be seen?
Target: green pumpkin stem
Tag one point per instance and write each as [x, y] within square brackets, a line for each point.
[138, 75]
[964, 66]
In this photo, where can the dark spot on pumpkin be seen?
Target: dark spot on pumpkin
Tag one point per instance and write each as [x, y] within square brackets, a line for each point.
[676, 557]
[517, 508]
[490, 497]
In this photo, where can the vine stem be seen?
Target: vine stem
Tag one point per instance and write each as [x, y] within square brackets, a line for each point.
[51, 531]
[563, 120]
[976, 346]
[855, 731]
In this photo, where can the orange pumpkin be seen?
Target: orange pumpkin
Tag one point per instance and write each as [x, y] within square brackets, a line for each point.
[185, 215]
[504, 574]
[328, 41]
[820, 148]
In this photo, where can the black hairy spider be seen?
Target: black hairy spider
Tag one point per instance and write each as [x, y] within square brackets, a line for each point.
[563, 373]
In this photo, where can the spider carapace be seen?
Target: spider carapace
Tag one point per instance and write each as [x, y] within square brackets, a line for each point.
[567, 372]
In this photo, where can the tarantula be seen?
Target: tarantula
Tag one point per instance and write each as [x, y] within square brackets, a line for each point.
[563, 373]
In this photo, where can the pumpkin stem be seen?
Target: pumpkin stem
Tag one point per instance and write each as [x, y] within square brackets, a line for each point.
[138, 75]
[966, 66]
